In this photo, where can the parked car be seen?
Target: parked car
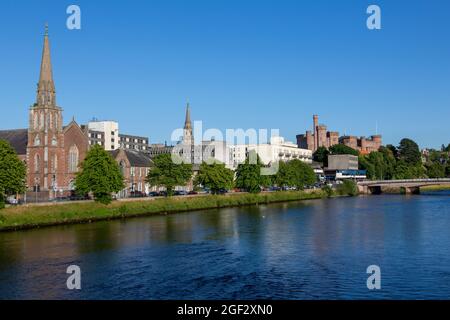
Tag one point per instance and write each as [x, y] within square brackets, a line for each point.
[78, 198]
[180, 193]
[154, 194]
[137, 194]
[192, 193]
[12, 201]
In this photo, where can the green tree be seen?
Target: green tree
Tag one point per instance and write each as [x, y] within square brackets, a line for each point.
[321, 155]
[12, 172]
[295, 173]
[393, 149]
[380, 164]
[215, 176]
[403, 170]
[99, 174]
[389, 160]
[343, 149]
[435, 170]
[348, 188]
[169, 173]
[248, 174]
[409, 152]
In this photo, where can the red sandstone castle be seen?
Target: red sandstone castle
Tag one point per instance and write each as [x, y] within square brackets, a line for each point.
[320, 137]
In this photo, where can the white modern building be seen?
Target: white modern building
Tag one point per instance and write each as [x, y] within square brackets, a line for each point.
[277, 150]
[105, 133]
[217, 151]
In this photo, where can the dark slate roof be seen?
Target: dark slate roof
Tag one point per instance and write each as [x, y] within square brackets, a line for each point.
[136, 158]
[18, 139]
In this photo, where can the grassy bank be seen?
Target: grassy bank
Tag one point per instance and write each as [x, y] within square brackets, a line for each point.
[422, 189]
[16, 218]
[435, 188]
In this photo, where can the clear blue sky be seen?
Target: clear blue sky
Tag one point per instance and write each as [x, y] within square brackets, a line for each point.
[241, 64]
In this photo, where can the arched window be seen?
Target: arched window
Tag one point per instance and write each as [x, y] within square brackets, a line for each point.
[36, 163]
[41, 122]
[37, 140]
[55, 163]
[73, 159]
[122, 167]
[36, 121]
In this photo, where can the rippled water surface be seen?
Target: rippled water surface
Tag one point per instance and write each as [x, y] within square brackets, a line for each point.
[316, 249]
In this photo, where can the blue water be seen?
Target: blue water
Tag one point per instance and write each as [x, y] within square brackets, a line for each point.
[317, 249]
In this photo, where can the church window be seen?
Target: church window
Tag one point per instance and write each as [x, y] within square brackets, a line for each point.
[122, 167]
[55, 163]
[37, 141]
[36, 163]
[73, 159]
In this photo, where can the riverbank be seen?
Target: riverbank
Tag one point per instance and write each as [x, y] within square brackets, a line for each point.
[28, 217]
[435, 188]
[422, 189]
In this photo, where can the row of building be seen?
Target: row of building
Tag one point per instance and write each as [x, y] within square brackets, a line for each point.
[53, 151]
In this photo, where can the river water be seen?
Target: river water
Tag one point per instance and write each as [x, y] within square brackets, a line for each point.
[318, 249]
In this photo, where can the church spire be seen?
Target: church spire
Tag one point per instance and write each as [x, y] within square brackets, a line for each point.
[187, 122]
[46, 87]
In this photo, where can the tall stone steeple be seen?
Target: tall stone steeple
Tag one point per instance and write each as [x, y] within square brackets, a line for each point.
[188, 137]
[187, 122]
[45, 150]
[46, 95]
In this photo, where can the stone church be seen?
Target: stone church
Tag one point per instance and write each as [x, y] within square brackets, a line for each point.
[51, 150]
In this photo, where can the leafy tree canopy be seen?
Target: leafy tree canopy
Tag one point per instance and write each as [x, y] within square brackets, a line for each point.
[248, 174]
[321, 155]
[295, 173]
[12, 172]
[100, 174]
[435, 170]
[168, 173]
[380, 165]
[215, 176]
[343, 149]
[409, 152]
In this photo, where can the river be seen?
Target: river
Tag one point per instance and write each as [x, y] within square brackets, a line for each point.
[317, 249]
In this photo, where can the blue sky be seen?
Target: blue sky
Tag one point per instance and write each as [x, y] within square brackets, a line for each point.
[241, 63]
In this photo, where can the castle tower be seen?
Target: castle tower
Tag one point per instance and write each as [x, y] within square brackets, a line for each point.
[315, 130]
[45, 150]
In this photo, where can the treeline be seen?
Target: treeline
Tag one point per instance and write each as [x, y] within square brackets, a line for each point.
[406, 162]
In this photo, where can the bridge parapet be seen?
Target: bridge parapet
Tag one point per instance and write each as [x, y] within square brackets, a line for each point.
[409, 185]
[405, 182]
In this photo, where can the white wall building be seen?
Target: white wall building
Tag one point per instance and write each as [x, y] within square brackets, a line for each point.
[217, 150]
[277, 150]
[110, 129]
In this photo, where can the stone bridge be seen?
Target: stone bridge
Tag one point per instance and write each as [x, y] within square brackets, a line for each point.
[410, 185]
